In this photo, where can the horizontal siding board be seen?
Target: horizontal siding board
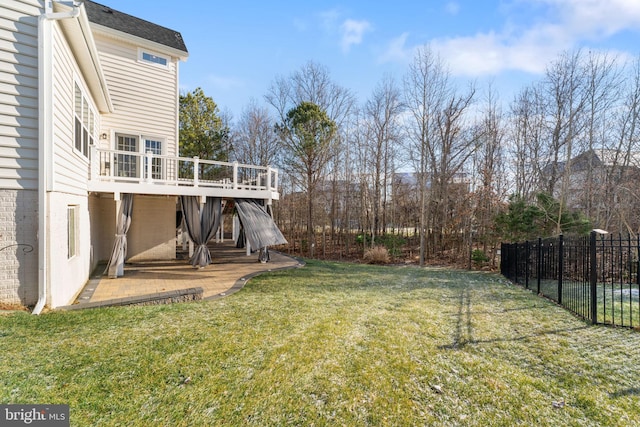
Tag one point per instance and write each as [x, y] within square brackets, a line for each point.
[18, 152]
[10, 80]
[22, 7]
[19, 174]
[24, 59]
[9, 110]
[16, 143]
[11, 131]
[143, 96]
[71, 168]
[18, 163]
[11, 38]
[19, 93]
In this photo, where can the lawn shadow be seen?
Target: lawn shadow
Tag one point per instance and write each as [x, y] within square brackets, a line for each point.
[633, 391]
[463, 334]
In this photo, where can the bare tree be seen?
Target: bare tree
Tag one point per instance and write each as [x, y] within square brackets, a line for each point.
[565, 92]
[489, 164]
[255, 140]
[425, 88]
[527, 135]
[382, 120]
[620, 197]
[313, 84]
[441, 139]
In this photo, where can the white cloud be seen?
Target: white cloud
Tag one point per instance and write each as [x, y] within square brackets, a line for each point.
[397, 50]
[353, 32]
[598, 18]
[452, 7]
[329, 20]
[529, 46]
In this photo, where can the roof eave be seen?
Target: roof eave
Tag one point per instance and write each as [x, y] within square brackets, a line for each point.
[139, 41]
[79, 36]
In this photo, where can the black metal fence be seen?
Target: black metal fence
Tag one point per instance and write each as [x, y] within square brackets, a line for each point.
[596, 277]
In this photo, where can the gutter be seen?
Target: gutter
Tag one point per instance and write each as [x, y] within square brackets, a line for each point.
[45, 143]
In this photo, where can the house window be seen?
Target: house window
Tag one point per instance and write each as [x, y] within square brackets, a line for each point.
[84, 123]
[155, 147]
[72, 231]
[127, 164]
[153, 58]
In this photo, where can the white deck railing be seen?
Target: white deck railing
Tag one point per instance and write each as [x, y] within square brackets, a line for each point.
[128, 167]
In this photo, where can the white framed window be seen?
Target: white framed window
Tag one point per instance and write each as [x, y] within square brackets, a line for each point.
[72, 230]
[134, 165]
[84, 122]
[157, 59]
[154, 146]
[127, 165]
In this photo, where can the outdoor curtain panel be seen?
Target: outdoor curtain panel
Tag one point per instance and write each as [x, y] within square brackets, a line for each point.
[259, 229]
[202, 224]
[115, 267]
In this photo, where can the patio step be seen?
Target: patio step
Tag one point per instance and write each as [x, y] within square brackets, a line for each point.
[168, 297]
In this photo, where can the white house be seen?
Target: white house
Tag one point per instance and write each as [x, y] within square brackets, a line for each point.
[89, 113]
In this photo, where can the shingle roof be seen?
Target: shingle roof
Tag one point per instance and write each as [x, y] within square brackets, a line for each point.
[111, 18]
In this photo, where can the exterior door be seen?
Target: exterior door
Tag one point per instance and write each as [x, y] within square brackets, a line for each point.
[127, 164]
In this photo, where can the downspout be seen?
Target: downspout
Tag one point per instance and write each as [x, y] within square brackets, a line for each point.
[45, 142]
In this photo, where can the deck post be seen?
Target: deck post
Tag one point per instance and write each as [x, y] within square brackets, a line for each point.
[268, 177]
[95, 162]
[148, 158]
[196, 169]
[235, 175]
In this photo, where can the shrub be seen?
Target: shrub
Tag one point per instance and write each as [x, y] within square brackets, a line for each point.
[393, 242]
[377, 255]
[479, 257]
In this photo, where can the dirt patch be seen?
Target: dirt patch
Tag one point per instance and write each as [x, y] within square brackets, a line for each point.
[12, 307]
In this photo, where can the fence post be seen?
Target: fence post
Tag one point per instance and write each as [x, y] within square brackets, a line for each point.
[638, 258]
[593, 277]
[560, 266]
[539, 263]
[515, 263]
[526, 265]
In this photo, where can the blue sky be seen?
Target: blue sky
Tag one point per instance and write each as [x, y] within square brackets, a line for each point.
[237, 48]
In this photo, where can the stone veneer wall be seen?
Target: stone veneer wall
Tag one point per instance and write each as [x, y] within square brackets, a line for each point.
[18, 247]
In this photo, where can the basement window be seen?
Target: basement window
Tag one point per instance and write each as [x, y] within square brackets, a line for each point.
[72, 231]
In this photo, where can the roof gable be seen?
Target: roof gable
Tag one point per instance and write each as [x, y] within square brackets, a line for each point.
[111, 18]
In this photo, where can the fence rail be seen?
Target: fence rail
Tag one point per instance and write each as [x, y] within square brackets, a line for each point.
[596, 277]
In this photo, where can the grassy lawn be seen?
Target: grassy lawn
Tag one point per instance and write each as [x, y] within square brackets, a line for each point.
[330, 344]
[617, 304]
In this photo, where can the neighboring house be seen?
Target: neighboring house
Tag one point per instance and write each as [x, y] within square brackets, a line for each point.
[89, 113]
[599, 171]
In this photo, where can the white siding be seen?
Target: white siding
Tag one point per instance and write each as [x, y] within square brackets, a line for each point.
[19, 93]
[19, 150]
[144, 95]
[71, 168]
[68, 275]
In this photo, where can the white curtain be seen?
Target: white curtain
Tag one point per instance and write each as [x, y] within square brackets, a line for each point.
[257, 225]
[115, 267]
